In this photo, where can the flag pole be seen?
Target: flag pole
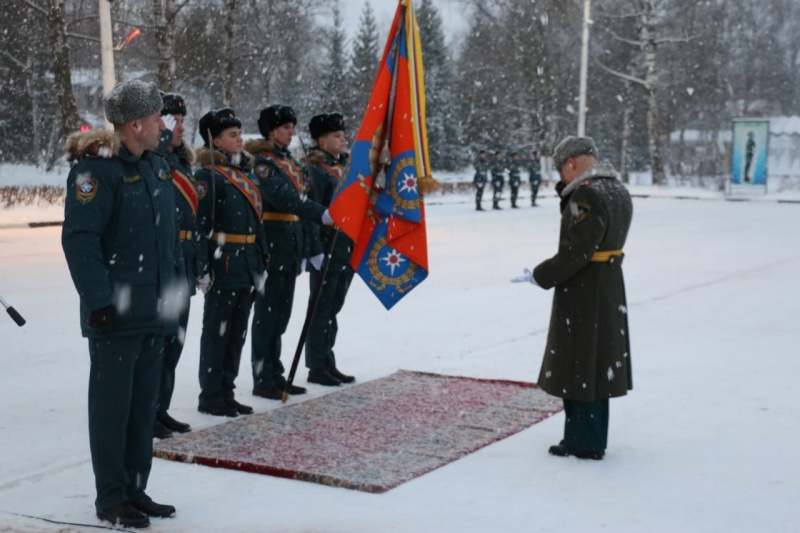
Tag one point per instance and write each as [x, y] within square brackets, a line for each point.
[584, 68]
[312, 307]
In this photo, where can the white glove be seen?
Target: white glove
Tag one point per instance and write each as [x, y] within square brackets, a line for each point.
[303, 262]
[169, 122]
[326, 218]
[204, 283]
[527, 275]
[316, 261]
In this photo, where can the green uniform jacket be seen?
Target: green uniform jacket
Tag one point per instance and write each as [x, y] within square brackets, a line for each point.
[180, 160]
[326, 172]
[119, 235]
[225, 209]
[498, 173]
[481, 168]
[587, 356]
[288, 242]
[514, 173]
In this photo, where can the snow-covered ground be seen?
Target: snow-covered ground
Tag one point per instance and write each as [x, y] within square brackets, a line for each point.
[706, 441]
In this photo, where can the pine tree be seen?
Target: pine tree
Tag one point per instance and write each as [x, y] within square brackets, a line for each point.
[335, 91]
[443, 131]
[364, 63]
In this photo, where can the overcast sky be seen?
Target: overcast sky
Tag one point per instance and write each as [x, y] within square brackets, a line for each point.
[450, 10]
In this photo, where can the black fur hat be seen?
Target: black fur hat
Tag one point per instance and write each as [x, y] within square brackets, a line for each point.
[325, 123]
[275, 116]
[173, 104]
[217, 121]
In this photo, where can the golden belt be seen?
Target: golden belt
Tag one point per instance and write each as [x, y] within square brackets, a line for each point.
[280, 217]
[234, 238]
[607, 256]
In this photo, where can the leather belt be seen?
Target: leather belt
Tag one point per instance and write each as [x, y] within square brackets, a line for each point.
[234, 238]
[280, 217]
[185, 235]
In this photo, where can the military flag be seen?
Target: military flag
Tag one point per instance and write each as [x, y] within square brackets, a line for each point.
[379, 202]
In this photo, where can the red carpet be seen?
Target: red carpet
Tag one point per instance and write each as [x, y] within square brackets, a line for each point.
[370, 437]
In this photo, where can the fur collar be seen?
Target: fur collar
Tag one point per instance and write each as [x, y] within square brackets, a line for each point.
[206, 157]
[92, 143]
[259, 146]
[185, 152]
[603, 169]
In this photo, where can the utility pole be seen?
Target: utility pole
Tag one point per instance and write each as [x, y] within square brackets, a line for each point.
[107, 49]
[584, 68]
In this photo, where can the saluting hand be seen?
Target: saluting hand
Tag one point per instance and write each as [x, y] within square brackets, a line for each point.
[169, 122]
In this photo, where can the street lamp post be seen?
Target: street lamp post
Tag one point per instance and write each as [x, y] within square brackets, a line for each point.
[584, 68]
[107, 48]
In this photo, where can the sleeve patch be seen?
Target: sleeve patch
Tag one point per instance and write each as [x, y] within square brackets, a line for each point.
[262, 170]
[202, 188]
[579, 210]
[86, 189]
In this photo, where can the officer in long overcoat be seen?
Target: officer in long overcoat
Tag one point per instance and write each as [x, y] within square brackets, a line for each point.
[284, 190]
[326, 165]
[587, 359]
[180, 158]
[120, 242]
[230, 212]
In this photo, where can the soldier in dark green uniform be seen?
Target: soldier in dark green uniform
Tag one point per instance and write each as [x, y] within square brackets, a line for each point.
[327, 162]
[587, 359]
[283, 187]
[230, 215]
[535, 175]
[180, 158]
[481, 168]
[120, 242]
[514, 177]
[498, 178]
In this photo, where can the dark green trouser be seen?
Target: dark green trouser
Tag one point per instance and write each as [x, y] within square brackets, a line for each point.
[324, 327]
[123, 390]
[586, 425]
[272, 311]
[225, 316]
[172, 353]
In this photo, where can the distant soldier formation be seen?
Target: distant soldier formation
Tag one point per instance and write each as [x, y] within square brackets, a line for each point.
[495, 167]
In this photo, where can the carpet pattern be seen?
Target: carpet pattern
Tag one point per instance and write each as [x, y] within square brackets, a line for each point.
[370, 437]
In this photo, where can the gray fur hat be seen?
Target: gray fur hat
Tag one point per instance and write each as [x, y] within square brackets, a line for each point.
[573, 147]
[131, 100]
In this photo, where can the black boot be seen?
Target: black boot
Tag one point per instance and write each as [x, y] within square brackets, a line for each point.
[160, 431]
[146, 505]
[344, 378]
[478, 207]
[241, 408]
[172, 424]
[561, 450]
[125, 515]
[219, 410]
[320, 376]
[495, 205]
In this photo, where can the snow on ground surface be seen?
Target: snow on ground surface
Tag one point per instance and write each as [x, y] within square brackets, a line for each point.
[706, 441]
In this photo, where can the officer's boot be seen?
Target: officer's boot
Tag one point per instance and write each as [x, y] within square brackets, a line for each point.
[495, 204]
[478, 206]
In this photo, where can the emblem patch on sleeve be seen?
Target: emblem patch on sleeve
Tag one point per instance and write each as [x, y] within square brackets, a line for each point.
[86, 189]
[202, 188]
[262, 171]
[579, 210]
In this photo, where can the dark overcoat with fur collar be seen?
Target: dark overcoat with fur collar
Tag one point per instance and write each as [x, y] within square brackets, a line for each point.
[587, 356]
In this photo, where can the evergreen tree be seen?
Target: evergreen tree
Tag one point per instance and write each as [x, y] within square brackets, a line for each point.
[443, 132]
[364, 64]
[335, 91]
